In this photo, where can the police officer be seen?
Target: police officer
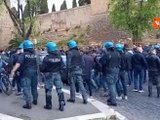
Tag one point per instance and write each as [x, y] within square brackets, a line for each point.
[154, 72]
[111, 61]
[28, 63]
[121, 84]
[75, 65]
[17, 77]
[51, 67]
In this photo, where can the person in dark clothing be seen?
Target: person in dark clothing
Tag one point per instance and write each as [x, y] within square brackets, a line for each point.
[75, 65]
[111, 61]
[51, 67]
[154, 72]
[17, 77]
[128, 56]
[97, 70]
[139, 65]
[121, 84]
[28, 63]
[89, 63]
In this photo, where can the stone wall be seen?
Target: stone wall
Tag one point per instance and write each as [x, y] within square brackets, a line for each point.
[93, 15]
[65, 19]
[6, 28]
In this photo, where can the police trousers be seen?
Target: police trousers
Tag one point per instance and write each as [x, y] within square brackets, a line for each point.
[29, 84]
[111, 79]
[53, 79]
[76, 76]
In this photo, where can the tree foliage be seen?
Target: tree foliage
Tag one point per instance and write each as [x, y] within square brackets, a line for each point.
[74, 3]
[53, 8]
[16, 41]
[84, 2]
[43, 7]
[14, 11]
[64, 5]
[133, 16]
[31, 10]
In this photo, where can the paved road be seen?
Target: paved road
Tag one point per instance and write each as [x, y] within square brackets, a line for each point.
[138, 106]
[12, 105]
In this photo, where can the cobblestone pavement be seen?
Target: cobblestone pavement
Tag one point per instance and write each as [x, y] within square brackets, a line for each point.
[138, 106]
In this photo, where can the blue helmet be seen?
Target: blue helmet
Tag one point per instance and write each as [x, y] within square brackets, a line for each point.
[109, 45]
[72, 44]
[157, 46]
[51, 47]
[27, 44]
[20, 46]
[119, 47]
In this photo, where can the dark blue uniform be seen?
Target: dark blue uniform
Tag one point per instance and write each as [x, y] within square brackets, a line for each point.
[28, 61]
[75, 65]
[17, 78]
[111, 62]
[51, 67]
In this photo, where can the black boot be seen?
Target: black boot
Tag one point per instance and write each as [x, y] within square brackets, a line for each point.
[48, 105]
[111, 104]
[85, 101]
[149, 91]
[61, 102]
[0, 91]
[158, 92]
[34, 102]
[27, 106]
[70, 100]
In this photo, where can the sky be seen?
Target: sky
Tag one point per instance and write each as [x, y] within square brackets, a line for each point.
[50, 3]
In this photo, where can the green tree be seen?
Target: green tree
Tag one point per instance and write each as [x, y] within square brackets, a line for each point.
[26, 11]
[43, 7]
[74, 4]
[134, 16]
[19, 23]
[64, 5]
[53, 8]
[13, 9]
[16, 41]
[84, 2]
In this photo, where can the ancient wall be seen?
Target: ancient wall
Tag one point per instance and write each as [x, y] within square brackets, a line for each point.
[93, 15]
[65, 19]
[72, 17]
[6, 28]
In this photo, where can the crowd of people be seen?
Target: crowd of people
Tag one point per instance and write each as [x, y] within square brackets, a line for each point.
[112, 67]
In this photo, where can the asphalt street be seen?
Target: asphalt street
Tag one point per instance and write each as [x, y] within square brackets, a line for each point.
[12, 105]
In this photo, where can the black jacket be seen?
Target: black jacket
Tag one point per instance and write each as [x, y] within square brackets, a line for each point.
[89, 63]
[123, 62]
[153, 63]
[74, 59]
[110, 60]
[52, 63]
[128, 56]
[138, 61]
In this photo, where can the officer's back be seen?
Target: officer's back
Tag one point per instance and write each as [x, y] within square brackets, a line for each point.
[74, 58]
[30, 59]
[111, 60]
[52, 62]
